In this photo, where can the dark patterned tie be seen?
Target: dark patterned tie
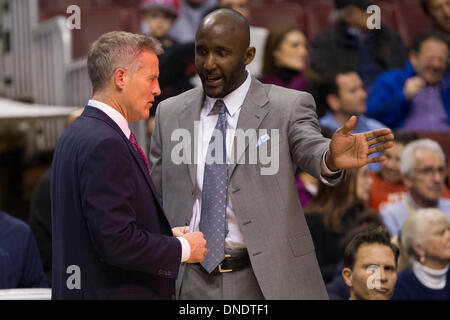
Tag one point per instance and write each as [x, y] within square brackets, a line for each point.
[214, 193]
[139, 150]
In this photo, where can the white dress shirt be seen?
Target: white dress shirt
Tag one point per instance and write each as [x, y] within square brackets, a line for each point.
[120, 120]
[233, 102]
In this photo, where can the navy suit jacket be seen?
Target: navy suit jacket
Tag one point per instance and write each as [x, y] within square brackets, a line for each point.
[107, 218]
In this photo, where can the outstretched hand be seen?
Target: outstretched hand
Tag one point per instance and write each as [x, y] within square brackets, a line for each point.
[352, 150]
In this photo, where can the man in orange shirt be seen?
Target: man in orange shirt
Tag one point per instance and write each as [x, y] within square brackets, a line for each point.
[387, 184]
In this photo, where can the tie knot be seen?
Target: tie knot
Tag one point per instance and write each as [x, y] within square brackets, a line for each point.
[220, 107]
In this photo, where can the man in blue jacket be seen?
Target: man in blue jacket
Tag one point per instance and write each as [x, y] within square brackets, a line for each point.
[20, 263]
[417, 97]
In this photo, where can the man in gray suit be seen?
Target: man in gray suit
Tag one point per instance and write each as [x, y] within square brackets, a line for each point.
[258, 242]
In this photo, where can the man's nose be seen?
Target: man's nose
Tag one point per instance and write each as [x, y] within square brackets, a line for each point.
[383, 277]
[156, 90]
[210, 62]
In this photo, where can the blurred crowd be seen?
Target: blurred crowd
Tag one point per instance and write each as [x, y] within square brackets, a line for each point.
[394, 215]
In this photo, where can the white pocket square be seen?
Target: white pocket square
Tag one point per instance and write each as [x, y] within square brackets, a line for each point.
[262, 139]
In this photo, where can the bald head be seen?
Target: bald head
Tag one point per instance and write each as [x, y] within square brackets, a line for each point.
[227, 20]
[222, 52]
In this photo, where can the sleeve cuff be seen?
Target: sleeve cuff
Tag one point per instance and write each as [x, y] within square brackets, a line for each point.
[185, 249]
[325, 171]
[327, 176]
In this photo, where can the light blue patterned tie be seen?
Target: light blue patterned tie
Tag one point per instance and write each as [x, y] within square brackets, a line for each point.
[214, 193]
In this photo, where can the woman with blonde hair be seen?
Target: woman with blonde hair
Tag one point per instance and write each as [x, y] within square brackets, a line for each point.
[425, 237]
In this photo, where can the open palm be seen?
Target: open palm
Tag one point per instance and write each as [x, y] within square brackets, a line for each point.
[350, 150]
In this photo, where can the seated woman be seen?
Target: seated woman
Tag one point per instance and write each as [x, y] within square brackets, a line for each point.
[286, 59]
[333, 212]
[425, 238]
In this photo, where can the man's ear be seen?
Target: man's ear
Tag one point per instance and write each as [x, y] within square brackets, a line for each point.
[249, 55]
[347, 275]
[333, 102]
[120, 76]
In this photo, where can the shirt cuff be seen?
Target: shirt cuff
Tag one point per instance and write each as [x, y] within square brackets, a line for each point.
[185, 249]
[325, 171]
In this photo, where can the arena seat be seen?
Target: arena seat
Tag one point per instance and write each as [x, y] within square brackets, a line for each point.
[97, 21]
[317, 14]
[273, 16]
[388, 12]
[412, 21]
[443, 138]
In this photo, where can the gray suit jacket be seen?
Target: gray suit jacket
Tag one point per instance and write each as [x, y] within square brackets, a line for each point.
[267, 206]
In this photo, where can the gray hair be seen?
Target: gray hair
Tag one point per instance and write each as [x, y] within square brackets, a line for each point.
[416, 227]
[117, 49]
[408, 158]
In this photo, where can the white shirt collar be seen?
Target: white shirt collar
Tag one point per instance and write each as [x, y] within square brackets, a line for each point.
[115, 115]
[234, 100]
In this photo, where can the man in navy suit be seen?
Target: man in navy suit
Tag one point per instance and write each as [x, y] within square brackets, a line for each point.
[111, 239]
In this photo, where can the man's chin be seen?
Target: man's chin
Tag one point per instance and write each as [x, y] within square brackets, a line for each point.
[213, 92]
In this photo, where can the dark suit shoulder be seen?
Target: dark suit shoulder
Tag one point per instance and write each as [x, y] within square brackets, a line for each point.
[88, 135]
[92, 130]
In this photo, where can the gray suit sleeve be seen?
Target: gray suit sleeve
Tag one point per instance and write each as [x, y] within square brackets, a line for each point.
[306, 141]
[156, 152]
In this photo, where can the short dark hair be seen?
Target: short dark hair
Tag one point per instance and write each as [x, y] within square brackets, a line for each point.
[376, 235]
[328, 84]
[433, 34]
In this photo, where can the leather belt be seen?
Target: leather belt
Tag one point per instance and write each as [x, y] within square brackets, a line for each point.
[233, 263]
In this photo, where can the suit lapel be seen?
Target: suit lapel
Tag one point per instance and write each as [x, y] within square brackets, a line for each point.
[97, 113]
[140, 163]
[253, 112]
[189, 114]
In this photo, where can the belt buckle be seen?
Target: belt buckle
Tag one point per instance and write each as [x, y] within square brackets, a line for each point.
[220, 265]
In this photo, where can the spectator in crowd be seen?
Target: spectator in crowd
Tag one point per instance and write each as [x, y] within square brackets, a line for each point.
[286, 58]
[20, 263]
[423, 167]
[333, 212]
[351, 43]
[177, 60]
[439, 12]
[158, 18]
[191, 13]
[416, 97]
[370, 263]
[387, 187]
[345, 96]
[337, 288]
[426, 239]
[258, 35]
